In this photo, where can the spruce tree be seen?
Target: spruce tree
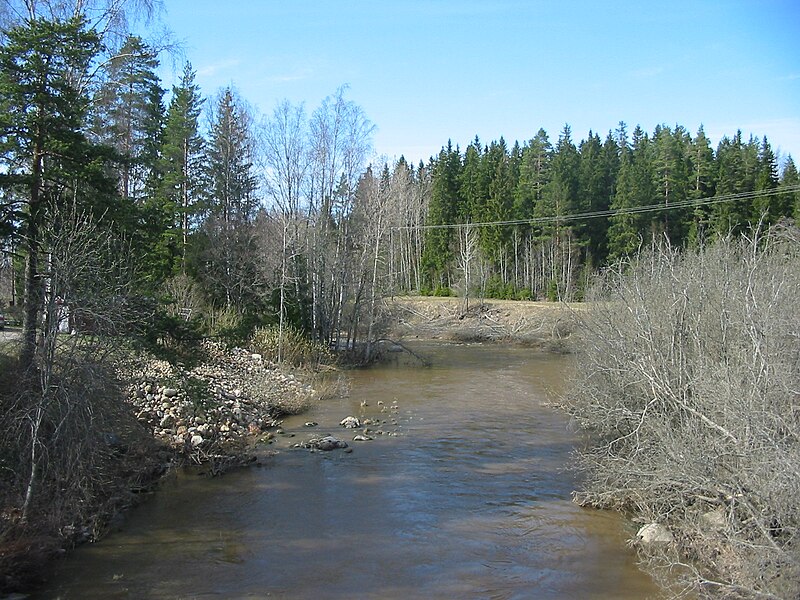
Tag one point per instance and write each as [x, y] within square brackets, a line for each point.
[768, 208]
[439, 252]
[635, 189]
[560, 194]
[231, 156]
[671, 179]
[702, 169]
[226, 262]
[594, 187]
[180, 198]
[734, 214]
[791, 180]
[495, 239]
[473, 185]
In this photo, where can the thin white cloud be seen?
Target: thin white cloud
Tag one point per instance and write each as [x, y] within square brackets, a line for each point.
[647, 72]
[215, 68]
[783, 133]
[290, 77]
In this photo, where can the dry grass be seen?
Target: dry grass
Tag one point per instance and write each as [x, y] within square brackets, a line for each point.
[535, 324]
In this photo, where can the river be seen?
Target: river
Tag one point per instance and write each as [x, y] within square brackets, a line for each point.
[466, 495]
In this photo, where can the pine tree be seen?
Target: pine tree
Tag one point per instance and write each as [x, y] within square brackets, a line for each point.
[44, 154]
[128, 115]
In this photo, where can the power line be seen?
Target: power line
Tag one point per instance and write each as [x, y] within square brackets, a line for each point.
[619, 211]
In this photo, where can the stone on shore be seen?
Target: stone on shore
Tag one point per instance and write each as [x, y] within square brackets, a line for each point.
[655, 533]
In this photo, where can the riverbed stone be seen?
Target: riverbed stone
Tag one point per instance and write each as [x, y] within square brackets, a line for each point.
[169, 392]
[350, 423]
[362, 438]
[196, 440]
[326, 444]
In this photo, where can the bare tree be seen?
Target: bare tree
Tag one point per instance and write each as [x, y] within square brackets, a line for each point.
[285, 154]
[341, 137]
[111, 19]
[373, 211]
[468, 248]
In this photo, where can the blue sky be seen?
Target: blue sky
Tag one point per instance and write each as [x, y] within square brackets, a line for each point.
[426, 71]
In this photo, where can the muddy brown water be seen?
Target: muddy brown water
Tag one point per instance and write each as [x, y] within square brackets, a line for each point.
[470, 499]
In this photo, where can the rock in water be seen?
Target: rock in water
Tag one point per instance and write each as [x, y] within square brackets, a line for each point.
[350, 423]
[328, 443]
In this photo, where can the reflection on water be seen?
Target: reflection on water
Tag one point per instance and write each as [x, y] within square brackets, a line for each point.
[470, 500]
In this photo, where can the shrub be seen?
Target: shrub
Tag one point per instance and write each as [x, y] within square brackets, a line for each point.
[524, 294]
[689, 379]
[232, 326]
[443, 291]
[552, 291]
[294, 348]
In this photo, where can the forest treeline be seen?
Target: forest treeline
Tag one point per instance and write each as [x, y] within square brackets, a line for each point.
[539, 218]
[226, 219]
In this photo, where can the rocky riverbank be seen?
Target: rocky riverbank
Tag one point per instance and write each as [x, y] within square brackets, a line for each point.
[213, 411]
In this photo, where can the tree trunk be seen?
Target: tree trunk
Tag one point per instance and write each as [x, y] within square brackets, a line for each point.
[32, 293]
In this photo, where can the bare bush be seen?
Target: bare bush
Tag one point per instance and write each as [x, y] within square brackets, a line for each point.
[690, 380]
[67, 436]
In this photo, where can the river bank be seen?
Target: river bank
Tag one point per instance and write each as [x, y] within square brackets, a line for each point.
[549, 326]
[158, 416]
